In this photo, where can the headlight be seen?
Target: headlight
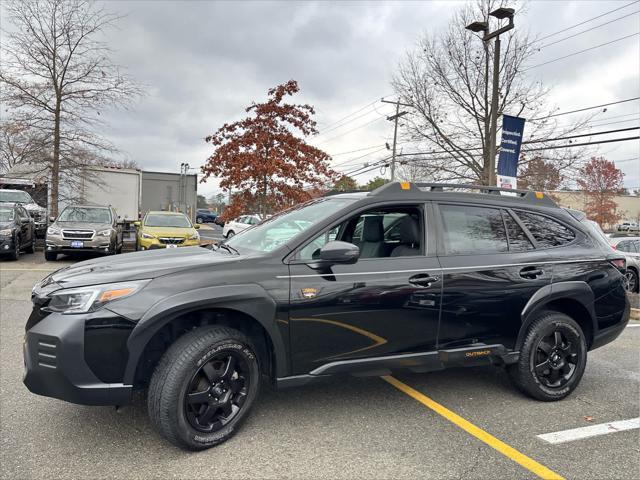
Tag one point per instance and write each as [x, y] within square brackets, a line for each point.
[88, 299]
[53, 231]
[195, 236]
[104, 233]
[147, 235]
[6, 233]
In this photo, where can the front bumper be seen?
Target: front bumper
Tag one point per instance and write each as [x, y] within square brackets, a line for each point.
[62, 245]
[154, 243]
[55, 365]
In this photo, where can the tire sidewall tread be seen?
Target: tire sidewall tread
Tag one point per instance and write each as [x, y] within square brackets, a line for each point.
[173, 373]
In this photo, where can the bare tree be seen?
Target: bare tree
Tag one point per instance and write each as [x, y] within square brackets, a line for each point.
[19, 144]
[446, 79]
[56, 76]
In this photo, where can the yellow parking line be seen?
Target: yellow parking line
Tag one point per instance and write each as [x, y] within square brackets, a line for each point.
[509, 452]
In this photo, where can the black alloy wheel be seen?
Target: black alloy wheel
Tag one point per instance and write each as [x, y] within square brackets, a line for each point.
[217, 392]
[204, 386]
[553, 357]
[556, 359]
[632, 281]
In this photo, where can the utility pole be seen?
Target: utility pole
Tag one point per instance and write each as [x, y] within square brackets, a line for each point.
[500, 14]
[395, 132]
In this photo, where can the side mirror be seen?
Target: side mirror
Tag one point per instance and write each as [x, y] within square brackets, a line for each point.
[52, 219]
[196, 226]
[339, 252]
[137, 223]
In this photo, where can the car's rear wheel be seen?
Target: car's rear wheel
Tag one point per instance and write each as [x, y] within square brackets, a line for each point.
[198, 219]
[552, 359]
[632, 280]
[204, 387]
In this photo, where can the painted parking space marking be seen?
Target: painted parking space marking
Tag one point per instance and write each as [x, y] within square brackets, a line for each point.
[498, 445]
[590, 431]
[631, 325]
[26, 270]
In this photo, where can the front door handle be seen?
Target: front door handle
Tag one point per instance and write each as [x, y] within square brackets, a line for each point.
[531, 272]
[422, 280]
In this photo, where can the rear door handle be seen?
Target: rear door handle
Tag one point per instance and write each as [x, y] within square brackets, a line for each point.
[422, 280]
[531, 272]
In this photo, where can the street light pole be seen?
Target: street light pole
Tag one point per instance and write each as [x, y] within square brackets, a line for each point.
[500, 14]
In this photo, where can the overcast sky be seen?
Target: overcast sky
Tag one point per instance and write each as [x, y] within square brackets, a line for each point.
[204, 61]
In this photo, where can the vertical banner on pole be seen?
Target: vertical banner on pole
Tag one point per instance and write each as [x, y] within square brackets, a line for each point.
[512, 131]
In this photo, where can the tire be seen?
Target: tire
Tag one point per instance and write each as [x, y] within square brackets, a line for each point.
[119, 249]
[50, 256]
[32, 246]
[198, 219]
[17, 245]
[632, 281]
[230, 233]
[556, 377]
[184, 369]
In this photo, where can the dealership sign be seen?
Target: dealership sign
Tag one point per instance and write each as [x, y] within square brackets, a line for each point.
[512, 132]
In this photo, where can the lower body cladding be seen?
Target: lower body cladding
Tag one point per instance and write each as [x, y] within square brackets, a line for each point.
[78, 358]
[476, 355]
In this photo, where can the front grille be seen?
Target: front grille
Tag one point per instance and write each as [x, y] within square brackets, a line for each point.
[47, 353]
[37, 216]
[171, 240]
[77, 234]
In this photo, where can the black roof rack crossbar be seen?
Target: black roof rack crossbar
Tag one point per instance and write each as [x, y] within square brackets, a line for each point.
[393, 188]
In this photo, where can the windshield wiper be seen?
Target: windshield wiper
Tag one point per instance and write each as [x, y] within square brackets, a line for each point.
[228, 248]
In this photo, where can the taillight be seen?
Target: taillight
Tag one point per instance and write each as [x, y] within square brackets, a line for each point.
[619, 263]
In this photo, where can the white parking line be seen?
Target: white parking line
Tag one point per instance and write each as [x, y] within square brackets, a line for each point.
[590, 431]
[630, 325]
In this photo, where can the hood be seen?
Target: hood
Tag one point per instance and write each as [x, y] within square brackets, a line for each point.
[31, 207]
[5, 225]
[169, 231]
[138, 266]
[82, 226]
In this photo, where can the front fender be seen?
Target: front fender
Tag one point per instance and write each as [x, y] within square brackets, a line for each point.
[251, 300]
[576, 291]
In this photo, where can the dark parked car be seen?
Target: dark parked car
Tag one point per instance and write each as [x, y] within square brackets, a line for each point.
[17, 230]
[205, 216]
[409, 276]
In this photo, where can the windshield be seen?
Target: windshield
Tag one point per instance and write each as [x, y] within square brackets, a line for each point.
[173, 221]
[85, 215]
[6, 214]
[281, 228]
[16, 197]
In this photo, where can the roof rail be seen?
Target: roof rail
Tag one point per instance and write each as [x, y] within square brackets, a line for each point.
[529, 196]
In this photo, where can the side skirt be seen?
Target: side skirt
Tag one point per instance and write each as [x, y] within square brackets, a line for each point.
[472, 356]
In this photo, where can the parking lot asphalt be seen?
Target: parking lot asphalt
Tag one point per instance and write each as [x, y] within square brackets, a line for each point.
[344, 428]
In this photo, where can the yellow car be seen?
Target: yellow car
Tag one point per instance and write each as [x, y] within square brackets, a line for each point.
[166, 230]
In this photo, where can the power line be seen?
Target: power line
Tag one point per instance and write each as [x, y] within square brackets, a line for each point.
[585, 108]
[352, 130]
[587, 21]
[588, 30]
[592, 134]
[355, 151]
[626, 139]
[358, 158]
[353, 113]
[581, 51]
[344, 124]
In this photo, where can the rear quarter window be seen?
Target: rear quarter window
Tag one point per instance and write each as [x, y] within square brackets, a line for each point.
[546, 231]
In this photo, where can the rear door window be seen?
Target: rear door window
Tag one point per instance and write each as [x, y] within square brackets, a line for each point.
[469, 230]
[518, 239]
[546, 231]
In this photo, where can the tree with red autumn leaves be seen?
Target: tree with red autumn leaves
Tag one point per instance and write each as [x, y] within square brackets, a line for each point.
[262, 160]
[540, 175]
[601, 181]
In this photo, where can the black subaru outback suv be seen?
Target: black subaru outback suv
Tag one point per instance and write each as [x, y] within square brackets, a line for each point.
[409, 276]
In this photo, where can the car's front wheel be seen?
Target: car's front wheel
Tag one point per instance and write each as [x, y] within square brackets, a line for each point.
[230, 233]
[198, 219]
[552, 359]
[50, 256]
[204, 387]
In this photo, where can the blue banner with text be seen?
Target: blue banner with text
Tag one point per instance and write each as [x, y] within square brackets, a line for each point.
[512, 132]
